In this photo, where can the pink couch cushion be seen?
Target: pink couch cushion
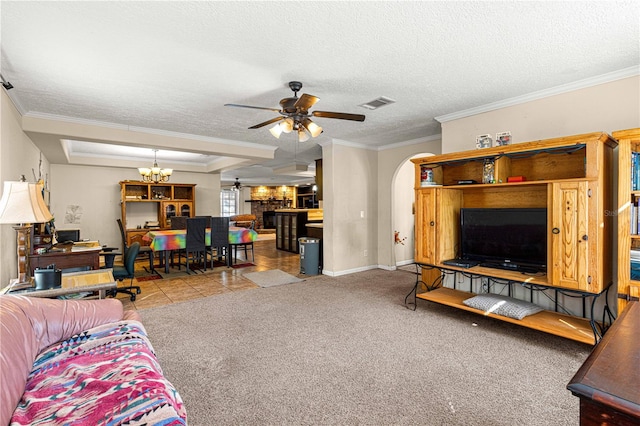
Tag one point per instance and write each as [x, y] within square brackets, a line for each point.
[28, 325]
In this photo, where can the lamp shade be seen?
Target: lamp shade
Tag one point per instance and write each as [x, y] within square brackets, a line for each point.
[22, 202]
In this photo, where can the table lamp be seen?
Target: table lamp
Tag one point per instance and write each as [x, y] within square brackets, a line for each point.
[22, 204]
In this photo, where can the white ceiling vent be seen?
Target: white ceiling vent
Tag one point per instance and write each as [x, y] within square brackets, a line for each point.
[377, 103]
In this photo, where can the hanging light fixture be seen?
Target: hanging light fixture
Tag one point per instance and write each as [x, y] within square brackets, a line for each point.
[236, 185]
[155, 174]
[302, 125]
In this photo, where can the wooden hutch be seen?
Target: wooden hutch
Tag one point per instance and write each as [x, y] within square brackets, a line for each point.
[169, 200]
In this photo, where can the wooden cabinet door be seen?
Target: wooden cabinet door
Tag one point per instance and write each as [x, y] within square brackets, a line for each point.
[569, 238]
[280, 231]
[425, 225]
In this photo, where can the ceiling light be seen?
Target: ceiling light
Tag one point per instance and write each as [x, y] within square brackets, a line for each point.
[155, 174]
[287, 125]
[303, 135]
[312, 127]
[276, 131]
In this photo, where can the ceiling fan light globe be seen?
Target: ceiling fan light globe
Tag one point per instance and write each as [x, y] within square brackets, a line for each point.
[287, 125]
[276, 131]
[312, 127]
[303, 136]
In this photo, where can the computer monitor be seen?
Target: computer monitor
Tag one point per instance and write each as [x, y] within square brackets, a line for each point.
[65, 235]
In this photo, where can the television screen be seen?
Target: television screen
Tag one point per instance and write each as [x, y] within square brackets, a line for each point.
[507, 238]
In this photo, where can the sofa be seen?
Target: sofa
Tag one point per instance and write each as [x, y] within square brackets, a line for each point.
[80, 362]
[243, 220]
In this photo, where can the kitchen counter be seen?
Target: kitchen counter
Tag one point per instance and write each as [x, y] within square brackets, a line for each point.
[313, 215]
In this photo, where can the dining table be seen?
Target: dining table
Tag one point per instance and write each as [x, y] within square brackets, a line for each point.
[168, 240]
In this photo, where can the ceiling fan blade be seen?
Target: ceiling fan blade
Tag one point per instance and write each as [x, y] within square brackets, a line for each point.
[306, 101]
[253, 107]
[266, 123]
[339, 115]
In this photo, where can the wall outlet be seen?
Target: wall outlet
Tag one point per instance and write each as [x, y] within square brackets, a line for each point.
[485, 284]
[362, 215]
[365, 253]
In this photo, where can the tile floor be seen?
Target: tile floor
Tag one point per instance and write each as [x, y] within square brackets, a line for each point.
[177, 286]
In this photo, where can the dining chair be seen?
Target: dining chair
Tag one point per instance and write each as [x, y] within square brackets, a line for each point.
[219, 239]
[246, 246]
[179, 222]
[195, 250]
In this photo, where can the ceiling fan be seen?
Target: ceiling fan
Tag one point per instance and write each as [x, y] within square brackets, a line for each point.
[295, 115]
[237, 185]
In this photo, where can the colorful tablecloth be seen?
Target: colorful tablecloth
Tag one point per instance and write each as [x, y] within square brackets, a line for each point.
[175, 239]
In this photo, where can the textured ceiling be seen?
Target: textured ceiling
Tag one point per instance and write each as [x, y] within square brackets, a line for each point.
[171, 66]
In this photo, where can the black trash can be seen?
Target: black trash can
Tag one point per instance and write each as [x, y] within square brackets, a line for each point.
[309, 255]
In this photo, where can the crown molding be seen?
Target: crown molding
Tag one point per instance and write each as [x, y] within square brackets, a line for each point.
[145, 130]
[569, 87]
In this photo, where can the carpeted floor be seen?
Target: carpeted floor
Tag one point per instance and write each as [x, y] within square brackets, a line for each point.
[345, 350]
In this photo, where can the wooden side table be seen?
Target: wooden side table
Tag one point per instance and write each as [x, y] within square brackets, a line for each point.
[608, 383]
[100, 281]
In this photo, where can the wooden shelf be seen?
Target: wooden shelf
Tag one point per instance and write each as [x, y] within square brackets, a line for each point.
[570, 177]
[562, 325]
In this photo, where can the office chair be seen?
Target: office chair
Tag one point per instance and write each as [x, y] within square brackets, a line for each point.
[121, 272]
[143, 249]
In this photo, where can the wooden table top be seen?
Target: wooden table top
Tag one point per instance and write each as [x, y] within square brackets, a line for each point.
[611, 374]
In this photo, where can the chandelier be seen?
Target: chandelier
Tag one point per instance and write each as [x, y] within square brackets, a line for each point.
[303, 126]
[155, 174]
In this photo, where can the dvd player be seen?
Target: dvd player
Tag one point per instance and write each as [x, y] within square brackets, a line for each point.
[461, 263]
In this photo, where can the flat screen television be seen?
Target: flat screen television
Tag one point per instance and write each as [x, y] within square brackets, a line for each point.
[505, 238]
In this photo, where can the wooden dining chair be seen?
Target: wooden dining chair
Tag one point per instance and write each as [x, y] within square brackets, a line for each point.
[246, 246]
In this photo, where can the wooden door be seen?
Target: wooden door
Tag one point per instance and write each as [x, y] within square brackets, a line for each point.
[569, 238]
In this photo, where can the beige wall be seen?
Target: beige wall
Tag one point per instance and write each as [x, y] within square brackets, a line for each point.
[97, 192]
[349, 176]
[18, 156]
[605, 107]
[395, 195]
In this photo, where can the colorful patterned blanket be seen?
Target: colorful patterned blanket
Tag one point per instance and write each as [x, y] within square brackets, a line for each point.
[107, 375]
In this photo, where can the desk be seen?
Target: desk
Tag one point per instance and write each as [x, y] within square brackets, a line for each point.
[66, 259]
[100, 281]
[175, 239]
[608, 383]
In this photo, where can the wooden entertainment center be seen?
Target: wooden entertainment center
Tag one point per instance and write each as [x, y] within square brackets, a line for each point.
[570, 176]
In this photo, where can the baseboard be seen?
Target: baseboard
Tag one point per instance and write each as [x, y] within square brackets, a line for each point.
[348, 271]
